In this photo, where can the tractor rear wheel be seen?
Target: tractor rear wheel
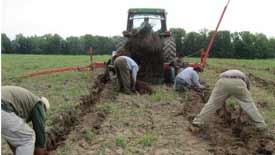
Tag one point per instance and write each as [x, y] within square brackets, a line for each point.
[169, 49]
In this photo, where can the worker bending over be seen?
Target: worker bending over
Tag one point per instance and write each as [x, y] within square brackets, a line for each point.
[231, 83]
[126, 69]
[18, 107]
[188, 78]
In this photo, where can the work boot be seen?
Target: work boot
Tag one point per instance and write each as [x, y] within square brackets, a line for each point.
[195, 128]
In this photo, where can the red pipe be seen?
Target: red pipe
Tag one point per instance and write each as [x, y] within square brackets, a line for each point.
[205, 55]
[57, 70]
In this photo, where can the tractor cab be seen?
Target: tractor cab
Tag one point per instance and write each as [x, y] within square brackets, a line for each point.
[154, 19]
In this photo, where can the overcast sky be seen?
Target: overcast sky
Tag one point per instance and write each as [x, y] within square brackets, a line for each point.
[108, 17]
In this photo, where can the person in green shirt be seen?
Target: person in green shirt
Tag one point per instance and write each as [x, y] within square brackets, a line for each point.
[18, 107]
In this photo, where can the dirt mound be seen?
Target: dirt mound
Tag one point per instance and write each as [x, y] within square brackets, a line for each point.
[143, 87]
[69, 119]
[145, 47]
[230, 131]
[262, 82]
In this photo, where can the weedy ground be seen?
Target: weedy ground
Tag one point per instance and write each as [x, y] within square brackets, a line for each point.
[136, 124]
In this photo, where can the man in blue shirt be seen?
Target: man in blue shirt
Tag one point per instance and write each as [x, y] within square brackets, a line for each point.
[174, 69]
[188, 78]
[126, 69]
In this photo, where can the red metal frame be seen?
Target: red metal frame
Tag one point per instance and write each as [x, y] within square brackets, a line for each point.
[64, 69]
[92, 66]
[205, 54]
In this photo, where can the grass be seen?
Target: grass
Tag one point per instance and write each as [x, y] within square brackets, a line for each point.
[108, 107]
[88, 135]
[120, 142]
[161, 94]
[64, 89]
[65, 150]
[147, 139]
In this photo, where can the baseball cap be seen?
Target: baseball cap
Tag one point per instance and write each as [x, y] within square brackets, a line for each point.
[46, 103]
[114, 53]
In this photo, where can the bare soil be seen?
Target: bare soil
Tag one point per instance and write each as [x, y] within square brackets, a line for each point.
[111, 123]
[135, 124]
[132, 118]
[230, 131]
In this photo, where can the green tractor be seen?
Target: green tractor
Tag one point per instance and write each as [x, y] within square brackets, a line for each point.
[147, 33]
[156, 18]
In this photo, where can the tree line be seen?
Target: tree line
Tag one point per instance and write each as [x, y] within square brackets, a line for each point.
[55, 44]
[226, 45]
[243, 44]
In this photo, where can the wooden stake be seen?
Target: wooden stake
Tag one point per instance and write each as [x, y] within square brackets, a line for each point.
[91, 57]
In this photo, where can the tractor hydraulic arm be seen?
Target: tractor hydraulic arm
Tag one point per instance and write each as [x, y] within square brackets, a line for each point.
[205, 54]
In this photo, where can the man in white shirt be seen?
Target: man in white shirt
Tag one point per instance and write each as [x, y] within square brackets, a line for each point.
[126, 69]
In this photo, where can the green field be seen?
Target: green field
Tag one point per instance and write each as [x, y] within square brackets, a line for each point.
[64, 89]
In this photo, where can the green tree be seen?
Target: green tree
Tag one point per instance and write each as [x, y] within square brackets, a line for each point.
[179, 35]
[261, 46]
[21, 44]
[271, 47]
[222, 46]
[243, 44]
[52, 44]
[73, 45]
[6, 46]
[192, 43]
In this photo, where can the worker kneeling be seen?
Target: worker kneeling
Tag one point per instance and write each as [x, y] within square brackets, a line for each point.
[188, 78]
[126, 69]
[231, 83]
[19, 106]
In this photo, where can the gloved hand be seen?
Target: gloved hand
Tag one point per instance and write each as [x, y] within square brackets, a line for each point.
[202, 87]
[40, 151]
[111, 66]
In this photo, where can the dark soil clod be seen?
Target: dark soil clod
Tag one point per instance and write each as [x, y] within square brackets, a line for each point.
[67, 120]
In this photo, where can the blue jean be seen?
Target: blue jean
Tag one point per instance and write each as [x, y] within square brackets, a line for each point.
[181, 85]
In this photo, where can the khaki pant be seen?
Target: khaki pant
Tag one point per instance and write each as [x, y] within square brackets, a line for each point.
[123, 74]
[17, 133]
[224, 88]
